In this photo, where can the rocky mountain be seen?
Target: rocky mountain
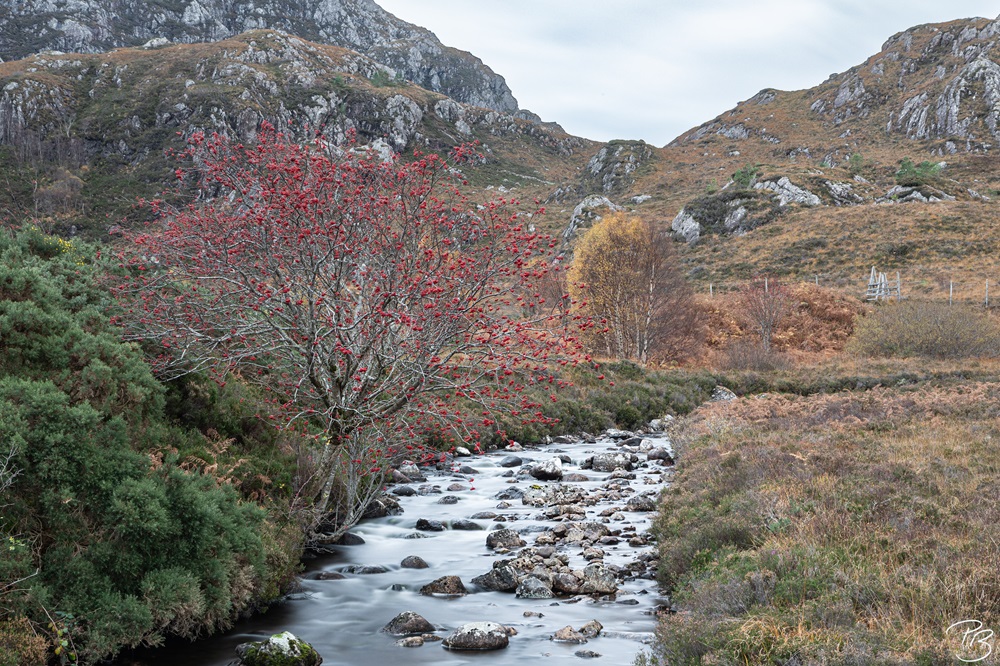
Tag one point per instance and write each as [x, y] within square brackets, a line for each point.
[94, 26]
[891, 163]
[83, 135]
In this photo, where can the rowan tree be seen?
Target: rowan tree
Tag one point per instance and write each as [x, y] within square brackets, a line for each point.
[370, 297]
[625, 274]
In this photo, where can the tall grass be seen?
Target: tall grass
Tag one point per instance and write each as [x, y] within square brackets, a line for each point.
[833, 529]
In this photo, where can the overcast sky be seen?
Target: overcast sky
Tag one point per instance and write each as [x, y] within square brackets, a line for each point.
[652, 69]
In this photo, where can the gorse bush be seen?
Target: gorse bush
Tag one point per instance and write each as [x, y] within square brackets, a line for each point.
[935, 330]
[128, 547]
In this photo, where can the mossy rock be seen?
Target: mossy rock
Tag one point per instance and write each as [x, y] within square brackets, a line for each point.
[282, 649]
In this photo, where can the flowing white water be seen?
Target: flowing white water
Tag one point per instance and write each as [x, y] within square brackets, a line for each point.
[342, 618]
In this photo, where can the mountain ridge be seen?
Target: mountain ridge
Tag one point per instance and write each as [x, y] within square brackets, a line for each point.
[95, 26]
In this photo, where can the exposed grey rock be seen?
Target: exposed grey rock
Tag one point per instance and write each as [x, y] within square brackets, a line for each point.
[843, 194]
[404, 491]
[612, 167]
[478, 636]
[550, 470]
[410, 470]
[660, 453]
[642, 502]
[568, 635]
[411, 641]
[413, 562]
[501, 578]
[425, 525]
[446, 586]
[511, 493]
[282, 648]
[94, 26]
[609, 462]
[788, 193]
[685, 226]
[504, 538]
[510, 461]
[592, 629]
[407, 623]
[466, 525]
[532, 587]
[722, 394]
[366, 569]
[586, 214]
[449, 499]
[597, 579]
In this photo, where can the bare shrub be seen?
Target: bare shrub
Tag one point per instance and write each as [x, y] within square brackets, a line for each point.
[935, 330]
[746, 354]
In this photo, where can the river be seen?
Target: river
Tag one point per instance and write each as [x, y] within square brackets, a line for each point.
[342, 617]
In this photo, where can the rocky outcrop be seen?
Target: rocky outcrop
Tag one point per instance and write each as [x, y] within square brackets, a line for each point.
[587, 213]
[786, 193]
[612, 169]
[406, 50]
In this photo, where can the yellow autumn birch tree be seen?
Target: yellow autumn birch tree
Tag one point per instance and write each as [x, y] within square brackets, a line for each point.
[625, 274]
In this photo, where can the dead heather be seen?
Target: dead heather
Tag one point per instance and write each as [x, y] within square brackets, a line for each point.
[843, 528]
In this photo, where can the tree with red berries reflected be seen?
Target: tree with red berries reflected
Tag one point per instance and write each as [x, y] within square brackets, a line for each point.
[370, 297]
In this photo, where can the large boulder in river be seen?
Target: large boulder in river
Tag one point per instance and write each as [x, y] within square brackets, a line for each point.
[407, 623]
[550, 470]
[643, 502]
[609, 462]
[414, 562]
[478, 636]
[282, 649]
[502, 578]
[597, 579]
[532, 587]
[450, 586]
[382, 506]
[504, 538]
[411, 471]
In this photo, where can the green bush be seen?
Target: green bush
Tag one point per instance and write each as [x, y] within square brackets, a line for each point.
[935, 330]
[128, 546]
[915, 175]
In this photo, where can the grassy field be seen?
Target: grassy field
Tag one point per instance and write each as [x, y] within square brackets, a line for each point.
[809, 524]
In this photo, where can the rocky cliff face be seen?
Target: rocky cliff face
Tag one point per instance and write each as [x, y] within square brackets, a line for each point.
[411, 52]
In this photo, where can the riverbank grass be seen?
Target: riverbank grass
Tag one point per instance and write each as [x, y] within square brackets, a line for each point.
[851, 528]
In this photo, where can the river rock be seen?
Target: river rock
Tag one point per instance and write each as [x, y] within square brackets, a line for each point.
[609, 462]
[330, 575]
[350, 539]
[398, 477]
[574, 477]
[411, 641]
[425, 525]
[382, 506]
[592, 629]
[502, 578]
[410, 470]
[587, 654]
[510, 461]
[407, 623]
[567, 583]
[446, 585]
[504, 538]
[449, 499]
[466, 525]
[403, 491]
[597, 579]
[532, 587]
[550, 470]
[511, 493]
[641, 503]
[660, 453]
[484, 515]
[478, 636]
[462, 452]
[279, 650]
[414, 562]
[366, 569]
[569, 635]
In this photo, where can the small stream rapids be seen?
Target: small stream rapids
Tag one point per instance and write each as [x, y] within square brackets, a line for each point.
[342, 617]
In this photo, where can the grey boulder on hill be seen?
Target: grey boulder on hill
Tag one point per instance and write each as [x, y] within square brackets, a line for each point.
[96, 26]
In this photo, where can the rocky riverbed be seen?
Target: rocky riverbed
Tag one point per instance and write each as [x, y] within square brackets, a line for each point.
[535, 553]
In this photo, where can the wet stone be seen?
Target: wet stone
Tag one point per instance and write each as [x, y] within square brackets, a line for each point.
[413, 562]
[448, 499]
[425, 525]
[403, 491]
[407, 623]
[446, 585]
[466, 525]
[569, 635]
[504, 538]
[478, 636]
[456, 487]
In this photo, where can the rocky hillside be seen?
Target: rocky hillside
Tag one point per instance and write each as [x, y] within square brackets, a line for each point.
[82, 135]
[892, 163]
[95, 26]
